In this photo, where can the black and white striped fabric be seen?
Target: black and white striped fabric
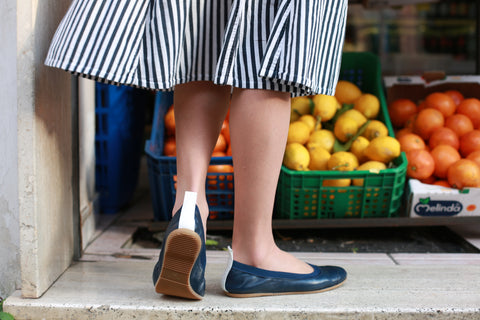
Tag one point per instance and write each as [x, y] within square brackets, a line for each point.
[284, 45]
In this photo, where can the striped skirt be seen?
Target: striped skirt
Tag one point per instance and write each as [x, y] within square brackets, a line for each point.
[284, 45]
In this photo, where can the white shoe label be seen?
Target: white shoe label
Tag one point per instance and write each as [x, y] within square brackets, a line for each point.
[187, 215]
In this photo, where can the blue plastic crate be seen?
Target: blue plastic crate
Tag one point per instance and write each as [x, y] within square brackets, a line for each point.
[119, 135]
[162, 172]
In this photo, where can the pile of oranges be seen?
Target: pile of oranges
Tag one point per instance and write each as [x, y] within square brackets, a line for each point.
[222, 146]
[339, 133]
[441, 138]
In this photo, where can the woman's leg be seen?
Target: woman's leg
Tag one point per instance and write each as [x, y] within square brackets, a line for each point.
[200, 108]
[259, 121]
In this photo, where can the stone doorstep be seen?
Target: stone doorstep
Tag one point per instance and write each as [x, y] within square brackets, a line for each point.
[113, 282]
[376, 290]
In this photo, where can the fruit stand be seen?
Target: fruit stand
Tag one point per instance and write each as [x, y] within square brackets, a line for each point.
[350, 159]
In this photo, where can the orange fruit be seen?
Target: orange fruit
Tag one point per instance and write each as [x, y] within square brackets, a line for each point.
[224, 168]
[464, 174]
[444, 156]
[420, 164]
[442, 183]
[422, 105]
[470, 142]
[229, 150]
[441, 102]
[429, 180]
[411, 141]
[400, 111]
[459, 123]
[216, 181]
[443, 135]
[218, 154]
[471, 108]
[221, 144]
[170, 147]
[169, 121]
[225, 131]
[409, 124]
[475, 157]
[456, 95]
[402, 132]
[427, 121]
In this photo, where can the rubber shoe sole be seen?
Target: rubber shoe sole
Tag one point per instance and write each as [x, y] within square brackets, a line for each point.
[182, 248]
[264, 294]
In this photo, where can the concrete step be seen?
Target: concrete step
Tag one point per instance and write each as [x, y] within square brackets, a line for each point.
[379, 286]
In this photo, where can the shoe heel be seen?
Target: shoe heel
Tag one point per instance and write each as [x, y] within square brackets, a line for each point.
[182, 249]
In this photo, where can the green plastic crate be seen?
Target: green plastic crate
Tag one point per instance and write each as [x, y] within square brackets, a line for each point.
[301, 194]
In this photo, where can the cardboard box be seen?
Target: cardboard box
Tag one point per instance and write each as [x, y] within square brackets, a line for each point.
[416, 88]
[426, 200]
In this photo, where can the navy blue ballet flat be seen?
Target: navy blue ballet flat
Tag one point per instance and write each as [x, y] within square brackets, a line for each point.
[243, 281]
[180, 270]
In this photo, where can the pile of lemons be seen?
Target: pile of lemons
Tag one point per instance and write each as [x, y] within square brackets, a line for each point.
[340, 133]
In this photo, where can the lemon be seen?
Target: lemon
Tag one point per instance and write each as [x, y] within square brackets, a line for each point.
[325, 106]
[318, 159]
[372, 166]
[342, 161]
[358, 148]
[311, 122]
[336, 182]
[375, 129]
[347, 92]
[383, 149]
[300, 106]
[345, 128]
[368, 105]
[298, 131]
[296, 157]
[321, 138]
[355, 115]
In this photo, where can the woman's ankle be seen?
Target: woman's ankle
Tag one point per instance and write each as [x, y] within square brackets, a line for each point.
[273, 259]
[250, 253]
[204, 213]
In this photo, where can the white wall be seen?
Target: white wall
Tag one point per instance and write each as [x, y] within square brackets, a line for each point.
[36, 204]
[36, 199]
[45, 174]
[9, 228]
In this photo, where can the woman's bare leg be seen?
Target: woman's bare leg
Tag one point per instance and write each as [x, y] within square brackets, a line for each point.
[200, 108]
[259, 122]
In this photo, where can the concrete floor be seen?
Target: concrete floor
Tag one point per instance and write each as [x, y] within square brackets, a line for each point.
[439, 286]
[113, 281]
